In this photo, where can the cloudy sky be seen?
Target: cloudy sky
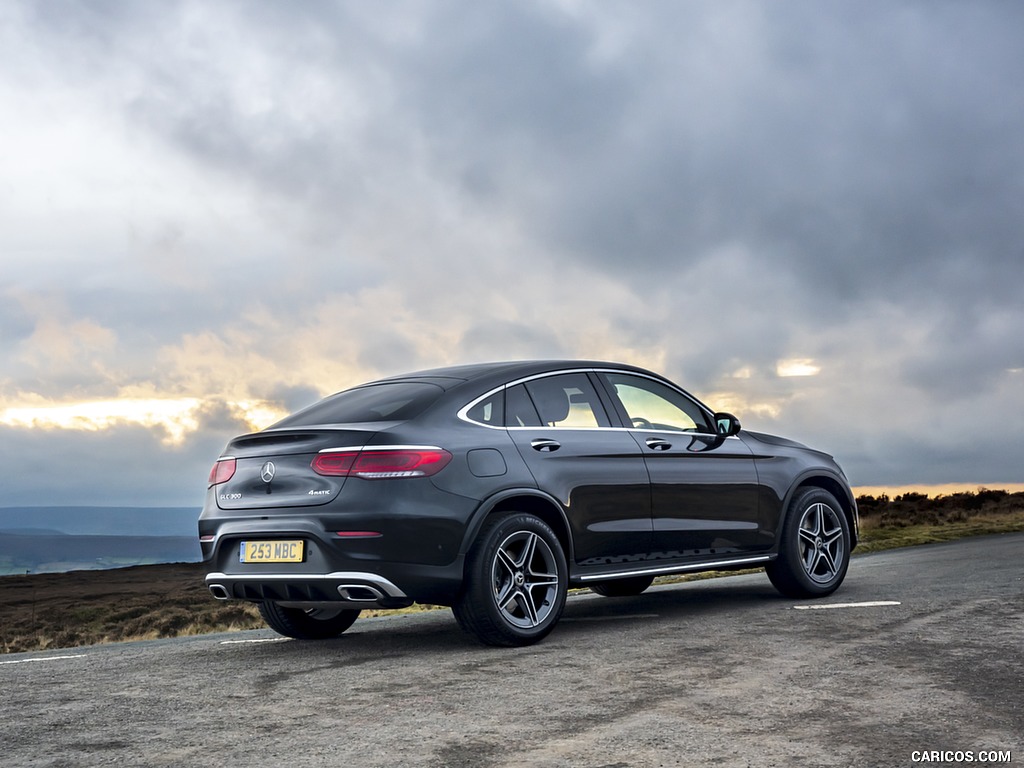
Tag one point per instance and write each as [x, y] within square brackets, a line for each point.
[212, 213]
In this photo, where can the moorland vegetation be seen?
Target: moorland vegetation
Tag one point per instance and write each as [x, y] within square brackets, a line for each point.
[63, 610]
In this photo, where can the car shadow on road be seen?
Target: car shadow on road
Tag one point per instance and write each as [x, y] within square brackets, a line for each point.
[373, 639]
[674, 601]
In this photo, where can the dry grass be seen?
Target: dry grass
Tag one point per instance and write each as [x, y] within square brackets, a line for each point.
[64, 610]
[913, 518]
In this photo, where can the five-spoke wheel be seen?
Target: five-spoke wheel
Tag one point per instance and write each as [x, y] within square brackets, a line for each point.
[524, 575]
[516, 581]
[822, 543]
[814, 550]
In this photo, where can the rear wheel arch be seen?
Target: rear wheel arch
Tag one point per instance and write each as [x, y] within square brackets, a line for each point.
[533, 502]
[516, 581]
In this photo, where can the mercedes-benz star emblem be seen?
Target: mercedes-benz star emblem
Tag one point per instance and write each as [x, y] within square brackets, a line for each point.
[267, 473]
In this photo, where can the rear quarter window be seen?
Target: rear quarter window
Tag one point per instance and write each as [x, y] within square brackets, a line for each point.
[490, 411]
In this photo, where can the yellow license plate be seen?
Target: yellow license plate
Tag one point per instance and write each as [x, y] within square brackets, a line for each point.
[289, 551]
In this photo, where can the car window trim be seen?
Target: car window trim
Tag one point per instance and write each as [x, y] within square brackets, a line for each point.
[624, 414]
[601, 394]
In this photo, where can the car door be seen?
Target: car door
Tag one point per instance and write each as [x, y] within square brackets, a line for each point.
[704, 487]
[598, 474]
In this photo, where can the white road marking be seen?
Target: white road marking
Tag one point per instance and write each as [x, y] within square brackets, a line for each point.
[614, 618]
[870, 604]
[260, 640]
[44, 658]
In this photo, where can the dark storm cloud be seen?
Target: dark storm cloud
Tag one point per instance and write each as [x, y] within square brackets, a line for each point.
[15, 323]
[386, 350]
[122, 465]
[494, 339]
[719, 186]
[118, 466]
[968, 351]
[866, 147]
[871, 148]
[294, 398]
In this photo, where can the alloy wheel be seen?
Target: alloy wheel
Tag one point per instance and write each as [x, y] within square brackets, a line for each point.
[821, 541]
[524, 579]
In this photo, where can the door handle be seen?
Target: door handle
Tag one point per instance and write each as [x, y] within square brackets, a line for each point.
[544, 445]
[657, 444]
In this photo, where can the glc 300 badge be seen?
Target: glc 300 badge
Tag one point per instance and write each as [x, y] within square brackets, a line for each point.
[267, 472]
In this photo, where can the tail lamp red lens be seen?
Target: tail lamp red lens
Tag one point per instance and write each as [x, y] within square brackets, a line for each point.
[222, 471]
[378, 464]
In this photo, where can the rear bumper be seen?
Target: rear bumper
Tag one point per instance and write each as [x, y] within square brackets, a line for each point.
[364, 589]
[367, 585]
[376, 549]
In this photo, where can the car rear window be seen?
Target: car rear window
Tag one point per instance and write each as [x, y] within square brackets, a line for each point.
[397, 401]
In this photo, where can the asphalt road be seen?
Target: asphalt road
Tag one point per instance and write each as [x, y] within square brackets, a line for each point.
[721, 673]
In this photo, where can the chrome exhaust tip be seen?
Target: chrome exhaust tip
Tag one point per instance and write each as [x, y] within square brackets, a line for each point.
[219, 592]
[360, 593]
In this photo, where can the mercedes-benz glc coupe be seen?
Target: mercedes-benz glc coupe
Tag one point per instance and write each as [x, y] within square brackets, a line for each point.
[494, 488]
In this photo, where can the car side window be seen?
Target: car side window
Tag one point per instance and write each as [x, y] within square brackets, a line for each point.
[519, 410]
[652, 405]
[490, 411]
[567, 400]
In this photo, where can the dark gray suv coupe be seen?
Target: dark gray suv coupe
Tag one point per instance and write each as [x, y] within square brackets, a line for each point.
[493, 488]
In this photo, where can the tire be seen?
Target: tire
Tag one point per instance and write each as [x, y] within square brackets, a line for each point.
[317, 624]
[627, 587]
[515, 583]
[814, 550]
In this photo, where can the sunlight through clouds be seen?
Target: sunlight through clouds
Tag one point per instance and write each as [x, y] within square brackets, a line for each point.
[797, 367]
[176, 418]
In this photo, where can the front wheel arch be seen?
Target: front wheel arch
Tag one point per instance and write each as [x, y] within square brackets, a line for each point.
[814, 546]
[833, 485]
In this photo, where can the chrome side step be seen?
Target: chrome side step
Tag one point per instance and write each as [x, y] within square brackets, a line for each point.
[707, 565]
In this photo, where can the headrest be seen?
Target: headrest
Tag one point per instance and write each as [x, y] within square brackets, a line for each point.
[551, 401]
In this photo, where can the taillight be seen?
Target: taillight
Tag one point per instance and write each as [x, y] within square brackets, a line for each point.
[334, 464]
[222, 471]
[381, 463]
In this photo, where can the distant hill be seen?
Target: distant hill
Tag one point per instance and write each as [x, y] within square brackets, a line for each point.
[56, 553]
[33, 532]
[58, 539]
[104, 521]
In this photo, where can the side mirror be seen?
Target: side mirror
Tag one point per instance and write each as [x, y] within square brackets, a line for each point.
[727, 424]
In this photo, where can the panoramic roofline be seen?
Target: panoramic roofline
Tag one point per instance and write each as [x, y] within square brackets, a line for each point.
[470, 371]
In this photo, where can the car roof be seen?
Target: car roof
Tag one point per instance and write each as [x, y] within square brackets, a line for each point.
[503, 370]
